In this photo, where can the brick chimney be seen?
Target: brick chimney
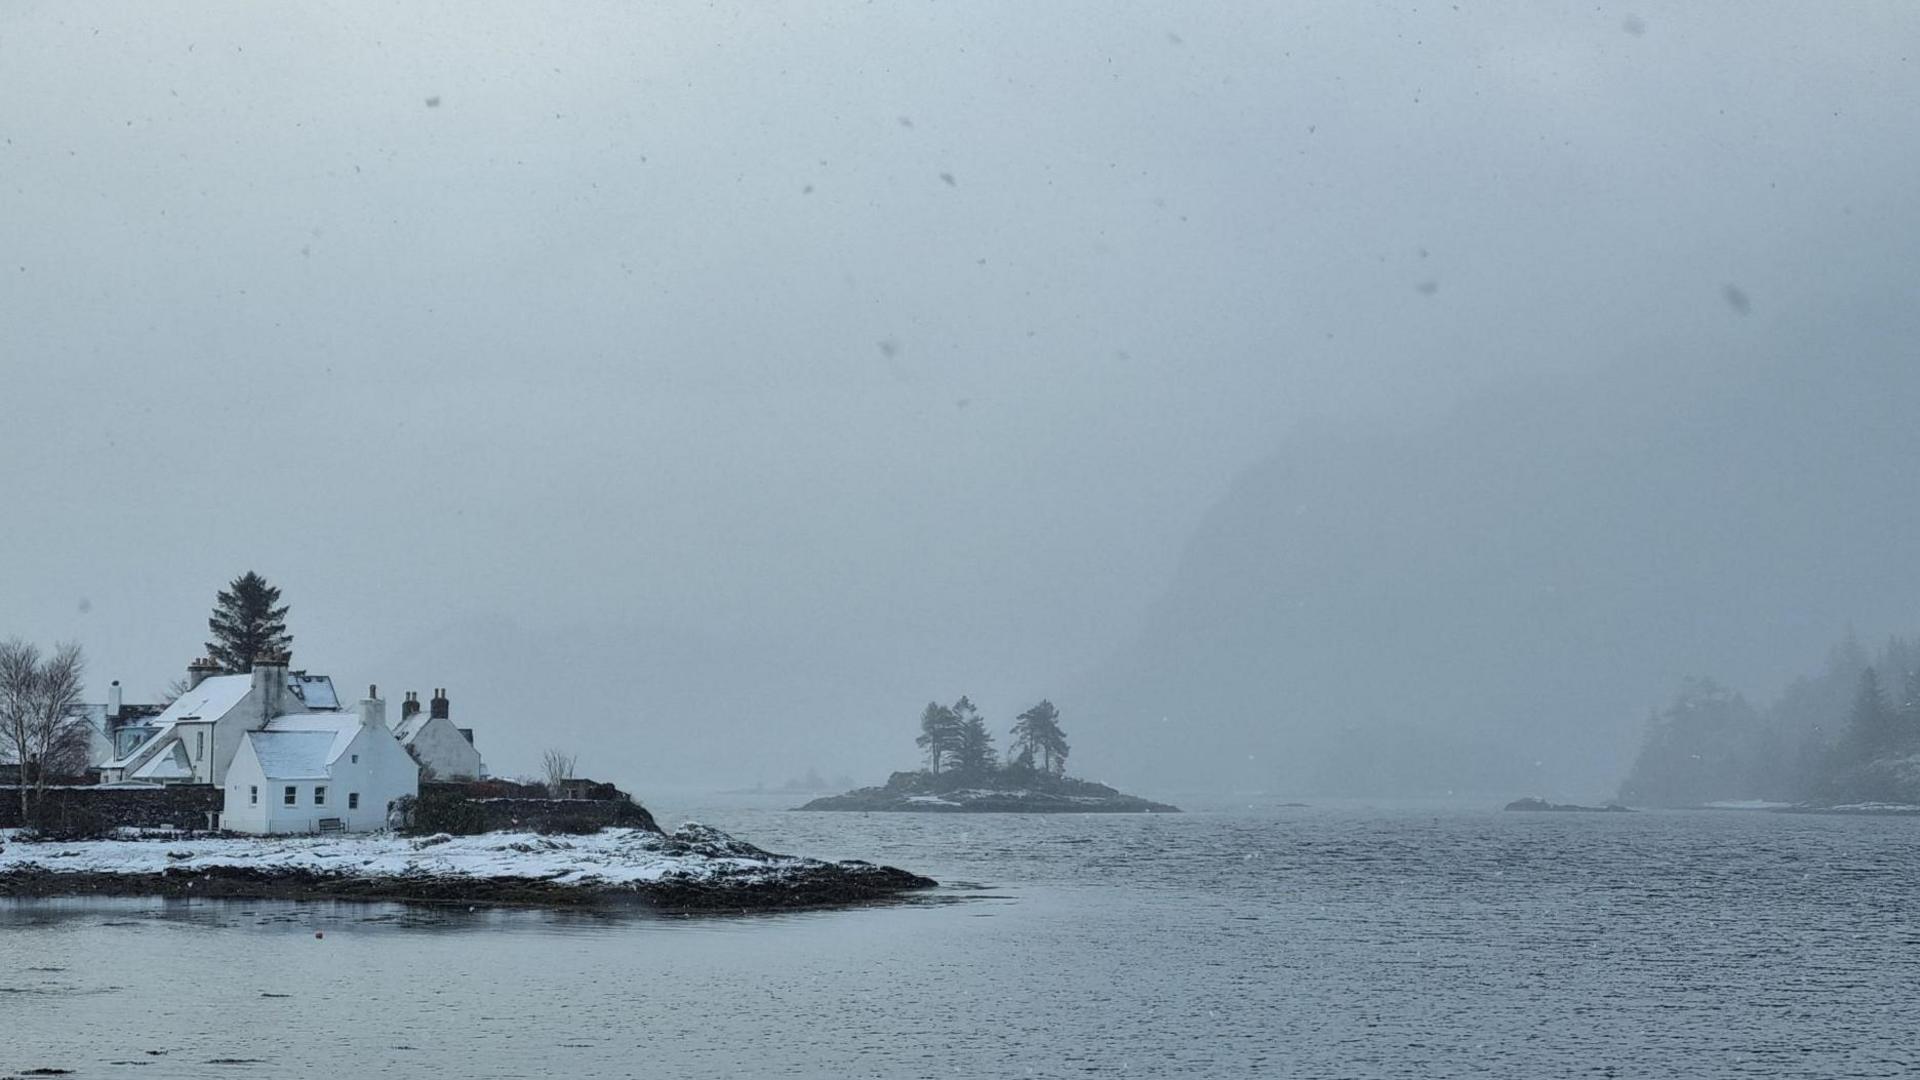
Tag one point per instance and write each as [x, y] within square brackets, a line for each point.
[411, 705]
[113, 704]
[439, 705]
[199, 670]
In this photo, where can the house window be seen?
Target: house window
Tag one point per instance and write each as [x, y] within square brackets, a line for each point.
[292, 796]
[356, 759]
[253, 795]
[199, 745]
[320, 796]
[353, 800]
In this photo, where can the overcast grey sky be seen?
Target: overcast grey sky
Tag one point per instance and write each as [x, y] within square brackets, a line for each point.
[706, 386]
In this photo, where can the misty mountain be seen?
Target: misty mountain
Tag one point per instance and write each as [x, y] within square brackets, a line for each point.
[1494, 602]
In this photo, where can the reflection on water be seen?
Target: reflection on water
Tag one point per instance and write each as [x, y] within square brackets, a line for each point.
[1399, 942]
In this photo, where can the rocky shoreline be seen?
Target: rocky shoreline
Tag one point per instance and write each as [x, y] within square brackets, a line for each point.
[833, 885]
[694, 870]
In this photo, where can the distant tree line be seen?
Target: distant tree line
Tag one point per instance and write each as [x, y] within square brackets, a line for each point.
[1849, 734]
[958, 744]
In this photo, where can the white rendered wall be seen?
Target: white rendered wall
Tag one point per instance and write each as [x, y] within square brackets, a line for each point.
[440, 747]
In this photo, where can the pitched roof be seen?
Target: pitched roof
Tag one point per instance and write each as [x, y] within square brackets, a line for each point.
[405, 729]
[315, 690]
[339, 728]
[291, 755]
[211, 700]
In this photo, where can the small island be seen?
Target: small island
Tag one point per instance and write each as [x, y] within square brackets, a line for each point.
[460, 845]
[1534, 803]
[964, 774]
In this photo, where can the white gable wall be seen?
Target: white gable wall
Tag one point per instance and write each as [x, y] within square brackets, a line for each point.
[386, 772]
[244, 813]
[439, 746]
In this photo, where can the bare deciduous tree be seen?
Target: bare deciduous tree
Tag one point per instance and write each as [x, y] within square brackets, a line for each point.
[559, 768]
[40, 727]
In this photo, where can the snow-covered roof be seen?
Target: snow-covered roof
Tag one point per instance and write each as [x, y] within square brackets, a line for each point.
[339, 728]
[211, 700]
[407, 728]
[292, 755]
[172, 765]
[315, 690]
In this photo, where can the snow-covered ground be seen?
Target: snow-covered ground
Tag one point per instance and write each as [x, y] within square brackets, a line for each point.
[611, 857]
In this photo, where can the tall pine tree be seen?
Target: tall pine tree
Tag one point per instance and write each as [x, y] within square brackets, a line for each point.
[1036, 733]
[1872, 721]
[246, 623]
[939, 734]
[973, 755]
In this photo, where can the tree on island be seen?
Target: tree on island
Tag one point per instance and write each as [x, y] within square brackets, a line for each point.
[939, 734]
[1873, 725]
[246, 623]
[1037, 734]
[973, 755]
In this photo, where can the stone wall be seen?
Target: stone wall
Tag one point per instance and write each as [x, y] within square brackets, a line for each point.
[562, 815]
[503, 806]
[181, 806]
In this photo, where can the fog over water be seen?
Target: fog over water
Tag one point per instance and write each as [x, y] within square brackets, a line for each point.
[706, 387]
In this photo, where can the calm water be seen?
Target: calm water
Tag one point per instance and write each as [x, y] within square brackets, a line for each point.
[1319, 942]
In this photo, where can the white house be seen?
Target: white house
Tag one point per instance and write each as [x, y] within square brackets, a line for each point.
[446, 751]
[316, 772]
[304, 763]
[193, 739]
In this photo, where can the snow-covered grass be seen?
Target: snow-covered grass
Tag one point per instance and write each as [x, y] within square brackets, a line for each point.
[610, 857]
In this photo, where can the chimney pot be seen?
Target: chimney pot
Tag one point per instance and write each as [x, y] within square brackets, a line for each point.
[199, 669]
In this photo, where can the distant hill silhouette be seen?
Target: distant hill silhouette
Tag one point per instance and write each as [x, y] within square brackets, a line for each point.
[1494, 602]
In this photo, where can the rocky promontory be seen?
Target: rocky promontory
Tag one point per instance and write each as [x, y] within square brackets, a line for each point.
[923, 792]
[693, 869]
